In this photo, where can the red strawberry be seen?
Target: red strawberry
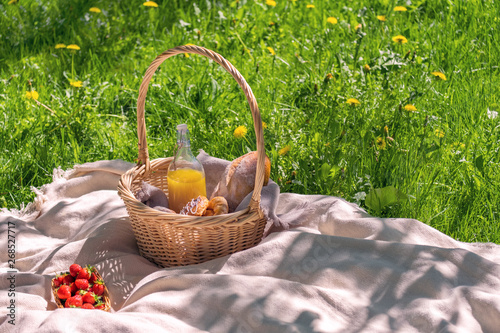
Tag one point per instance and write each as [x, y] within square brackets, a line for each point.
[89, 297]
[64, 292]
[74, 302]
[87, 306]
[74, 269]
[67, 279]
[56, 282]
[98, 288]
[84, 273]
[99, 306]
[93, 278]
[74, 288]
[82, 284]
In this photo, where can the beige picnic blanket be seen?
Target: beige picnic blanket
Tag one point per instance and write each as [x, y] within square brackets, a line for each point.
[335, 269]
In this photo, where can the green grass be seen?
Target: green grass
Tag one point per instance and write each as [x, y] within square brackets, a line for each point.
[439, 164]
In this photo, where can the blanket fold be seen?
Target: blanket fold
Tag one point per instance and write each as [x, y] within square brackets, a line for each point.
[324, 265]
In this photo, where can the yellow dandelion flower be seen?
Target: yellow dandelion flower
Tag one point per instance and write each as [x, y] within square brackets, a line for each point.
[73, 47]
[240, 132]
[439, 76]
[11, 2]
[381, 18]
[271, 50]
[386, 129]
[367, 68]
[271, 3]
[409, 107]
[94, 10]
[60, 46]
[328, 77]
[310, 6]
[332, 20]
[31, 95]
[353, 102]
[400, 9]
[400, 39]
[264, 125]
[457, 145]
[283, 151]
[150, 4]
[439, 133]
[380, 143]
[76, 84]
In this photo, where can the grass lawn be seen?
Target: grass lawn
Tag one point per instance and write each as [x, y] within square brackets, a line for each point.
[389, 104]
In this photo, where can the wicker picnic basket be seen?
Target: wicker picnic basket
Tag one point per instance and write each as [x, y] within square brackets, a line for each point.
[178, 240]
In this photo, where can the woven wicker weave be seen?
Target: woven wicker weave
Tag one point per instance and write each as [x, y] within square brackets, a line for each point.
[178, 240]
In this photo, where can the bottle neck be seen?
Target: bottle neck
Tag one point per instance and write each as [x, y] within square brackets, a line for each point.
[183, 155]
[183, 139]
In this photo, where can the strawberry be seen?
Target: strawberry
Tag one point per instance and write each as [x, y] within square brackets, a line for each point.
[74, 288]
[74, 302]
[56, 282]
[64, 292]
[74, 269]
[99, 306]
[87, 306]
[84, 273]
[93, 278]
[82, 284]
[90, 297]
[67, 279]
[98, 288]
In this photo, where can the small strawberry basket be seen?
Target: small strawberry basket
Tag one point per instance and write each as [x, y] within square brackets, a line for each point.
[179, 240]
[100, 295]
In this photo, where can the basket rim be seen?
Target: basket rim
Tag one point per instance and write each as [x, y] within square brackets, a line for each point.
[138, 172]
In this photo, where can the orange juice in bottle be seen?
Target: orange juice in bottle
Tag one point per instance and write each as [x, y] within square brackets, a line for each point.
[186, 176]
[183, 186]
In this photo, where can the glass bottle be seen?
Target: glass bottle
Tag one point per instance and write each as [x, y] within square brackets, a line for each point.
[186, 176]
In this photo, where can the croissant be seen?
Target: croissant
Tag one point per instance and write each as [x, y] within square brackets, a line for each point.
[202, 207]
[238, 179]
[217, 206]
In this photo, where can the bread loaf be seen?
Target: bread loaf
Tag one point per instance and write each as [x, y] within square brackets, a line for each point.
[238, 179]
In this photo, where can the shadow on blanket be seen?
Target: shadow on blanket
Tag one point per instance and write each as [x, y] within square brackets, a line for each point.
[336, 269]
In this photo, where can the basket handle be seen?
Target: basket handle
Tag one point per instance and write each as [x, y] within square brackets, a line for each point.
[141, 121]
